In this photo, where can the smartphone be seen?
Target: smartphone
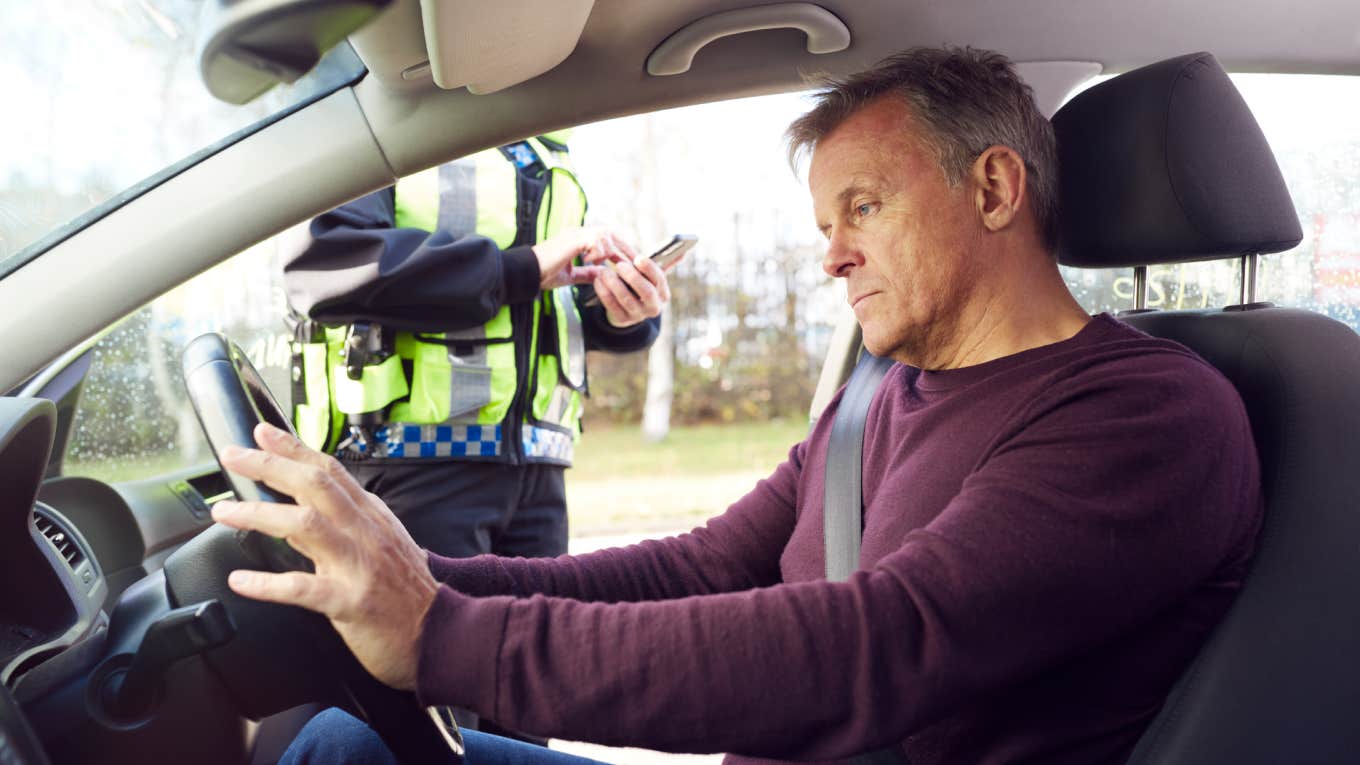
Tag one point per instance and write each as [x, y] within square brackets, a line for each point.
[674, 250]
[664, 256]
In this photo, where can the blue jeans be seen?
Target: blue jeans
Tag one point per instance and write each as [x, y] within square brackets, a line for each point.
[334, 737]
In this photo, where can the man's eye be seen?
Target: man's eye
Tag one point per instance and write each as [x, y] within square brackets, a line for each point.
[864, 209]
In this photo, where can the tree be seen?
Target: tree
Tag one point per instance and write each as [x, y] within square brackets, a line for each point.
[656, 408]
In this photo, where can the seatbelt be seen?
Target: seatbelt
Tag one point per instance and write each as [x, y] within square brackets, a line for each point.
[843, 505]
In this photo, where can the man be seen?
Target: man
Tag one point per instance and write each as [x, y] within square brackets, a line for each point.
[1044, 548]
[443, 342]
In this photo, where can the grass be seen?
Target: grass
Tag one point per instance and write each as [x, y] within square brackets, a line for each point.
[622, 484]
[692, 451]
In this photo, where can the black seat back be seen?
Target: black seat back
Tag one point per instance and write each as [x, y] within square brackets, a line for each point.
[1166, 164]
[1279, 681]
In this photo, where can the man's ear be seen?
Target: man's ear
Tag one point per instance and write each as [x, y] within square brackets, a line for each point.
[999, 175]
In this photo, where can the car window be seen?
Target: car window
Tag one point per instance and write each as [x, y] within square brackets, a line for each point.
[102, 99]
[755, 278]
[133, 419]
[750, 319]
[1310, 122]
[751, 316]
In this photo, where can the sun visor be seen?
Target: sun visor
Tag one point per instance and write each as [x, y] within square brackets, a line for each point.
[487, 47]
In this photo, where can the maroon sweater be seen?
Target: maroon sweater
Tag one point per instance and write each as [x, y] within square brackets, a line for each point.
[1048, 539]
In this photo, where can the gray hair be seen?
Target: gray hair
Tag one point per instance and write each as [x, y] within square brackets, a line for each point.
[967, 100]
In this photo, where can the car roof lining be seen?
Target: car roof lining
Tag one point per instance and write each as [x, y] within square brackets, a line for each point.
[360, 138]
[414, 120]
[1303, 36]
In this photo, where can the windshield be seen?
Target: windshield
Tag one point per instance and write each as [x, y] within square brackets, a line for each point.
[102, 100]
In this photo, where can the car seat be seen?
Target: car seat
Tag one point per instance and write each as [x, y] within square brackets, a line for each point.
[1165, 164]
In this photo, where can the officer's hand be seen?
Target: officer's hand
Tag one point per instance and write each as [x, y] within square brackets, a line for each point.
[649, 293]
[372, 581]
[594, 245]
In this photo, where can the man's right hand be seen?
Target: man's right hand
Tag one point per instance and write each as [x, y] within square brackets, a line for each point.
[595, 246]
[371, 580]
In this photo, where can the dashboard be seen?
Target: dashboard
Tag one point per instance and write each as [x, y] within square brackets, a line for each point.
[56, 598]
[81, 561]
[120, 641]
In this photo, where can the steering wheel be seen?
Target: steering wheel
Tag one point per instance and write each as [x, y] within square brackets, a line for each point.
[281, 656]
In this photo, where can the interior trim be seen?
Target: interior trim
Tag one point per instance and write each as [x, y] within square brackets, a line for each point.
[842, 353]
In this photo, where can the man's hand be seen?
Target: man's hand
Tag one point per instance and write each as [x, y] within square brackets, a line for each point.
[594, 245]
[372, 581]
[649, 293]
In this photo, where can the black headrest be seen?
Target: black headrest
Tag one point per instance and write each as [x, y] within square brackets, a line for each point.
[1166, 164]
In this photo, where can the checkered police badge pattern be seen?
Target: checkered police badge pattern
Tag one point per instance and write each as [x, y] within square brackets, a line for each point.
[542, 443]
[441, 440]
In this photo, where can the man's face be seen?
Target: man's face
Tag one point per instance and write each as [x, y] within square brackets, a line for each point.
[905, 241]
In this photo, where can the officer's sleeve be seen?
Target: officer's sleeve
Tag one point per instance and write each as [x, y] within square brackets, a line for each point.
[603, 336]
[357, 266]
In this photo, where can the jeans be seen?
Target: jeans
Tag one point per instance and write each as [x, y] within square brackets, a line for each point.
[334, 737]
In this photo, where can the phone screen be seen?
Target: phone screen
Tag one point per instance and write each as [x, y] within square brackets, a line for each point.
[674, 249]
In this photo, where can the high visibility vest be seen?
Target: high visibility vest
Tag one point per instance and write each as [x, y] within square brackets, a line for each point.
[462, 394]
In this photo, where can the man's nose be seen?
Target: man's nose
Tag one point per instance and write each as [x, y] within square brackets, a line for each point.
[841, 256]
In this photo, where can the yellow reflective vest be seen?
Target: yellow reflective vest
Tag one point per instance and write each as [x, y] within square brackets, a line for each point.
[508, 390]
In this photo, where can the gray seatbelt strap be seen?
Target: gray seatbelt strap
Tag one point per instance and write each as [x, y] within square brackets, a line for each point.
[843, 504]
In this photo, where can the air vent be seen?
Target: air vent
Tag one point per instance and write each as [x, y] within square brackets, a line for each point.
[60, 539]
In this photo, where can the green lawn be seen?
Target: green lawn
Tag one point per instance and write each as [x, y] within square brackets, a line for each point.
[622, 484]
[691, 452]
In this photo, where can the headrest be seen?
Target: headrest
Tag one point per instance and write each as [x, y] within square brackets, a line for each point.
[1166, 164]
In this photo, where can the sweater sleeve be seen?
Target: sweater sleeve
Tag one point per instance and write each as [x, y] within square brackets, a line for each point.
[737, 550]
[357, 266]
[1065, 536]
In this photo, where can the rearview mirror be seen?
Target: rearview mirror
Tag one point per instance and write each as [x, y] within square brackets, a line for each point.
[249, 46]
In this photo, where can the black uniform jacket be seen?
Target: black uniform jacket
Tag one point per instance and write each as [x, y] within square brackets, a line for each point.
[357, 266]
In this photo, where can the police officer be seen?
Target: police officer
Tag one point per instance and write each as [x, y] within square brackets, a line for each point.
[441, 342]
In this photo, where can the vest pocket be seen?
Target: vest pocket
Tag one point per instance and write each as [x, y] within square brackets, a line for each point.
[380, 385]
[470, 387]
[446, 387]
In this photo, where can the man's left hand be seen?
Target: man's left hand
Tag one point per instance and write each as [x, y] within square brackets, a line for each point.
[372, 581]
[648, 280]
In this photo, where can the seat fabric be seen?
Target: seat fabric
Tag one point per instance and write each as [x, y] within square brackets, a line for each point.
[1279, 681]
[1166, 164]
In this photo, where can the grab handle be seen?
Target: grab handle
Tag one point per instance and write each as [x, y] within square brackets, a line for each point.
[825, 33]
